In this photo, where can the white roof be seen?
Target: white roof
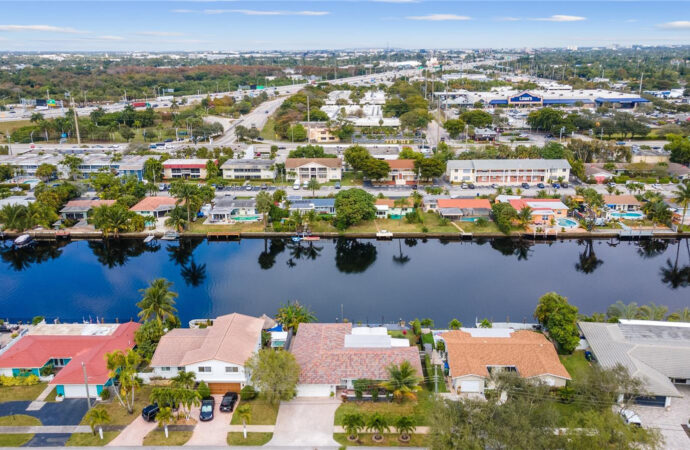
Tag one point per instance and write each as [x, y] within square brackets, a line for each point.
[488, 332]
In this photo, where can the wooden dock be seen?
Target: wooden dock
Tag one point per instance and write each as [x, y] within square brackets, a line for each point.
[223, 236]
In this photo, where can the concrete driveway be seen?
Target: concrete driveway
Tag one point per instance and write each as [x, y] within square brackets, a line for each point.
[214, 432]
[306, 422]
[67, 412]
[669, 422]
[48, 440]
[134, 433]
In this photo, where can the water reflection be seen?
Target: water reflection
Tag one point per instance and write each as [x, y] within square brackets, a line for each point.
[518, 247]
[182, 255]
[267, 258]
[22, 258]
[588, 261]
[117, 252]
[674, 275]
[300, 250]
[400, 258]
[652, 248]
[353, 256]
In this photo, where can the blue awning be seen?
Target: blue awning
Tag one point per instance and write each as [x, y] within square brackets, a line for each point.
[498, 102]
[621, 100]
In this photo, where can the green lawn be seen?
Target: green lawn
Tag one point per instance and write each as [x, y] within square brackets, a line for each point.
[21, 393]
[399, 335]
[90, 439]
[263, 413]
[575, 364]
[237, 438]
[389, 440]
[14, 440]
[10, 126]
[198, 227]
[157, 438]
[268, 132]
[19, 420]
[472, 227]
[429, 368]
[118, 414]
[51, 396]
[419, 410]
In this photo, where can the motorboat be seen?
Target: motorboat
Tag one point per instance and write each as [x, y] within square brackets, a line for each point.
[149, 238]
[23, 241]
[171, 236]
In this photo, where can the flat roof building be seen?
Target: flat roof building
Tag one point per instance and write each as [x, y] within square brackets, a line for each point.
[507, 172]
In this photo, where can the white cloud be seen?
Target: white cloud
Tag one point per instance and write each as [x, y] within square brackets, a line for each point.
[108, 37]
[676, 25]
[253, 12]
[49, 28]
[438, 17]
[561, 18]
[159, 33]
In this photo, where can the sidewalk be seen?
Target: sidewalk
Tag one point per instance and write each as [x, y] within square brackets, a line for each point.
[46, 429]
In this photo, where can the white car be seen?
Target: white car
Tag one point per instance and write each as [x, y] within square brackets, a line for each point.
[656, 186]
[630, 417]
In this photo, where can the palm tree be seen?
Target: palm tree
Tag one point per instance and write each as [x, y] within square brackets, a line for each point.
[455, 324]
[177, 219]
[682, 197]
[292, 314]
[652, 312]
[124, 367]
[186, 193]
[620, 310]
[682, 315]
[525, 215]
[403, 381]
[353, 424]
[97, 417]
[405, 426]
[184, 379]
[588, 261]
[14, 217]
[264, 203]
[244, 413]
[194, 274]
[164, 417]
[379, 425]
[313, 185]
[113, 219]
[157, 301]
[673, 275]
[400, 258]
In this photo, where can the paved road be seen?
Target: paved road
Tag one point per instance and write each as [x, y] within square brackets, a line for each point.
[306, 422]
[66, 412]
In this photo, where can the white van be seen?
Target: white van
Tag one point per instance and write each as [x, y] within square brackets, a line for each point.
[305, 185]
[296, 185]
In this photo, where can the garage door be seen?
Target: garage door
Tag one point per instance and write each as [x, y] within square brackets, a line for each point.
[313, 390]
[222, 388]
[78, 391]
[659, 401]
[470, 386]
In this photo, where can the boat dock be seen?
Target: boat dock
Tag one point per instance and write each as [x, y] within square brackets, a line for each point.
[223, 236]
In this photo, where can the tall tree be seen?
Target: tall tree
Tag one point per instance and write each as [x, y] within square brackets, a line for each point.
[275, 374]
[293, 313]
[157, 301]
[124, 367]
[264, 203]
[403, 381]
[559, 318]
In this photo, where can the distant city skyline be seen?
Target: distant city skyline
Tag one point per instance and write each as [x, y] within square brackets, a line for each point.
[169, 25]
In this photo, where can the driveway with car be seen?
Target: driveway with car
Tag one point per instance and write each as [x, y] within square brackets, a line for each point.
[669, 422]
[306, 422]
[212, 432]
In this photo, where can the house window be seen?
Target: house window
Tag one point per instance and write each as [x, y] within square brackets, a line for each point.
[204, 369]
[165, 369]
[180, 369]
[231, 369]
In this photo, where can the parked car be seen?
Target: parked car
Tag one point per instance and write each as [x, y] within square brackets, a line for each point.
[463, 186]
[264, 187]
[564, 184]
[612, 184]
[296, 185]
[540, 185]
[471, 186]
[305, 185]
[248, 187]
[656, 186]
[494, 186]
[556, 185]
[337, 184]
[228, 402]
[525, 185]
[207, 407]
[150, 412]
[630, 417]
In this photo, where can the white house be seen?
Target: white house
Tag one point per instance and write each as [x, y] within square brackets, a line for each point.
[323, 169]
[249, 169]
[216, 354]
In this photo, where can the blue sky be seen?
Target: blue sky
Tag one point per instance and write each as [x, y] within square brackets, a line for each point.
[331, 24]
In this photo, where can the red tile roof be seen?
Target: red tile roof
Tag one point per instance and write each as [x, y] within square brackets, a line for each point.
[401, 164]
[464, 203]
[531, 353]
[320, 351]
[151, 203]
[34, 351]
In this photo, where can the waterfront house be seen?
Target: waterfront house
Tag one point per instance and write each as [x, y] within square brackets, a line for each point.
[430, 202]
[333, 355]
[402, 172]
[249, 169]
[318, 205]
[624, 203]
[156, 206]
[63, 349]
[656, 352]
[474, 354]
[216, 354]
[507, 172]
[464, 208]
[393, 208]
[185, 168]
[322, 169]
[79, 209]
[544, 210]
[227, 209]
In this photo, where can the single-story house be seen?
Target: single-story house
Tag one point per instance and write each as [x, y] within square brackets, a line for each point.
[216, 354]
[318, 205]
[64, 348]
[461, 208]
[430, 202]
[622, 202]
[78, 209]
[226, 209]
[322, 169]
[656, 352]
[544, 210]
[402, 172]
[598, 173]
[185, 168]
[484, 134]
[156, 206]
[333, 355]
[23, 200]
[474, 354]
[395, 209]
[249, 169]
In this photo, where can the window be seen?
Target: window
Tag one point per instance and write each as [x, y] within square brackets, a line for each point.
[231, 369]
[165, 369]
[204, 369]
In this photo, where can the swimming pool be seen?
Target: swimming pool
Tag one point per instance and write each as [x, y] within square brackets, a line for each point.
[627, 215]
[566, 223]
[469, 219]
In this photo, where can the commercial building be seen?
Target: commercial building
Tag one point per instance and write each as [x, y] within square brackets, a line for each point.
[249, 169]
[217, 354]
[656, 352]
[319, 132]
[507, 172]
[69, 350]
[474, 354]
[185, 168]
[322, 169]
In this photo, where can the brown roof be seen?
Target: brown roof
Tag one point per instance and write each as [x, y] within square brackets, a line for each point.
[391, 203]
[89, 203]
[320, 351]
[464, 203]
[400, 163]
[621, 200]
[232, 338]
[151, 203]
[293, 163]
[531, 353]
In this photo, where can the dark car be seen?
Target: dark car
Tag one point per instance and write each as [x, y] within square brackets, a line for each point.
[556, 186]
[564, 185]
[495, 186]
[149, 412]
[207, 407]
[228, 402]
[471, 186]
[525, 185]
[540, 185]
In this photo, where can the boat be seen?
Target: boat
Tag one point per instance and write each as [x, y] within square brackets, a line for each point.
[171, 236]
[384, 234]
[297, 238]
[23, 241]
[149, 238]
[312, 238]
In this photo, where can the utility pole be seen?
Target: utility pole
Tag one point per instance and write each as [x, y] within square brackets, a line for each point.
[86, 384]
[641, 78]
[76, 120]
[436, 378]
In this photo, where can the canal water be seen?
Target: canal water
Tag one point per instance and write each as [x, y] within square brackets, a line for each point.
[369, 281]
